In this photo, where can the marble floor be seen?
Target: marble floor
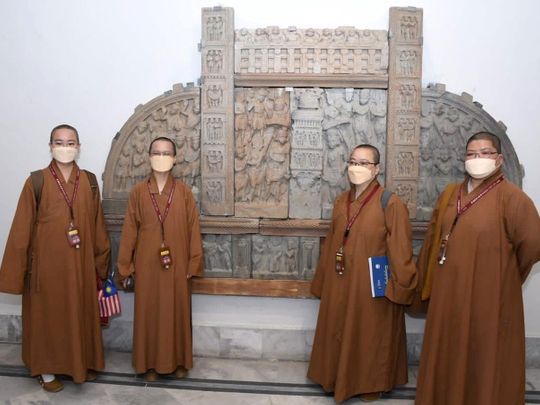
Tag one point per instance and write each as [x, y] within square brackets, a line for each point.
[212, 381]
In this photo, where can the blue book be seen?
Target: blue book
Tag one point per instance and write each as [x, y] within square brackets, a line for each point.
[379, 273]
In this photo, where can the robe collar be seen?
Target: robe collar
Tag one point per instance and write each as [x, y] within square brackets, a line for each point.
[374, 183]
[168, 185]
[482, 186]
[72, 176]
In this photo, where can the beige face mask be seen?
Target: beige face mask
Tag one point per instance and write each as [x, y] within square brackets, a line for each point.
[161, 163]
[359, 174]
[480, 168]
[64, 154]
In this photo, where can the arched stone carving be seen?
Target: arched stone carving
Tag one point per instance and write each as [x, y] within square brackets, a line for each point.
[175, 114]
[448, 120]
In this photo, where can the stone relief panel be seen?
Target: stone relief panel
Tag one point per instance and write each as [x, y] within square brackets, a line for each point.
[241, 256]
[309, 257]
[275, 257]
[217, 87]
[306, 154]
[261, 160]
[218, 256]
[343, 50]
[404, 103]
[350, 117]
[448, 120]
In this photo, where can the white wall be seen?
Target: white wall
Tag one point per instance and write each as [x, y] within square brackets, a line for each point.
[90, 63]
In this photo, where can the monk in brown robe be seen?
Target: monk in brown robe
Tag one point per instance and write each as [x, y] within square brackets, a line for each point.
[474, 341]
[61, 327]
[360, 345]
[161, 246]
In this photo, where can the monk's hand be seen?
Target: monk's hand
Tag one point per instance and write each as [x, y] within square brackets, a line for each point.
[189, 276]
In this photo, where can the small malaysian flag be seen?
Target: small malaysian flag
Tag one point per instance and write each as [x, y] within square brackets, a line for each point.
[109, 300]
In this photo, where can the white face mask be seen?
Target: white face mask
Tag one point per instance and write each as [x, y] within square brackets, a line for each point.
[480, 168]
[64, 154]
[161, 163]
[359, 174]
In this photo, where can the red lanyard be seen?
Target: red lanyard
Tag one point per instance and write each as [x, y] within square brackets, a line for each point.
[162, 218]
[461, 210]
[351, 221]
[69, 201]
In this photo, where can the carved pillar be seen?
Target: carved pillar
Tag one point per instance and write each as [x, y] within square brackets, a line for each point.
[306, 155]
[217, 108]
[404, 103]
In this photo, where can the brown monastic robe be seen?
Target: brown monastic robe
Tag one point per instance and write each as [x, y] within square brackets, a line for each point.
[360, 344]
[162, 324]
[474, 340]
[61, 329]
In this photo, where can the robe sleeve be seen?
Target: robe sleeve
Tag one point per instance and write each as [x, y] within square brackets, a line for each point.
[522, 225]
[102, 247]
[318, 279]
[16, 254]
[403, 280]
[128, 240]
[423, 256]
[195, 263]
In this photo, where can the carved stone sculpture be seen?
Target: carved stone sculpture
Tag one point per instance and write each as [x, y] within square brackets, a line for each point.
[262, 152]
[217, 255]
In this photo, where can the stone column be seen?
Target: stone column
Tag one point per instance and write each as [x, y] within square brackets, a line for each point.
[404, 103]
[217, 111]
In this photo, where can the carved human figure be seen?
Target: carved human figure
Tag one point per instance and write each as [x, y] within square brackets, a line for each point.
[192, 158]
[277, 172]
[175, 119]
[214, 161]
[214, 191]
[362, 120]
[276, 253]
[214, 95]
[334, 162]
[123, 170]
[408, 27]
[405, 164]
[407, 62]
[157, 124]
[241, 178]
[140, 142]
[291, 261]
[260, 255]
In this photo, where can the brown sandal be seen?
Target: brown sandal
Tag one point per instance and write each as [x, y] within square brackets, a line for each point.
[52, 386]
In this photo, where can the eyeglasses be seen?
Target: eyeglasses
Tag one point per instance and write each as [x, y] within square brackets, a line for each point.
[156, 153]
[70, 144]
[363, 163]
[484, 153]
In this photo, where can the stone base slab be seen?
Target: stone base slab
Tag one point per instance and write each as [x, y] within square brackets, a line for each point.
[240, 342]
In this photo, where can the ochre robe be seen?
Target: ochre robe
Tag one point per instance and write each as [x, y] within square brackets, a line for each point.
[474, 341]
[61, 329]
[162, 325]
[360, 343]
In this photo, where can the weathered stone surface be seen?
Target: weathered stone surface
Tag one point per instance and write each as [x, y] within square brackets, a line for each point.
[217, 111]
[262, 119]
[404, 103]
[218, 255]
[241, 256]
[275, 257]
[344, 50]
